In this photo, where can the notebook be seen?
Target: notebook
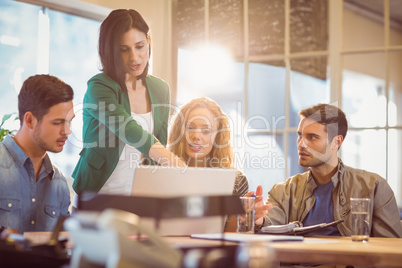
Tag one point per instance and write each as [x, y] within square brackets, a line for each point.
[157, 181]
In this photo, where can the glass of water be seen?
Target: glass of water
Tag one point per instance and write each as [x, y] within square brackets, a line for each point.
[245, 221]
[360, 209]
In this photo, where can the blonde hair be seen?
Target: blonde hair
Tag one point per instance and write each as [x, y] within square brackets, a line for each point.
[221, 152]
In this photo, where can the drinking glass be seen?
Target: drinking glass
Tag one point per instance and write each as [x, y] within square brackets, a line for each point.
[245, 222]
[360, 209]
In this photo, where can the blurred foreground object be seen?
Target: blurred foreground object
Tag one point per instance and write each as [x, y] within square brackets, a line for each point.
[104, 239]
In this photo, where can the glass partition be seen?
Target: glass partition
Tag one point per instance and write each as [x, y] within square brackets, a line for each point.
[308, 85]
[266, 95]
[18, 50]
[306, 34]
[358, 17]
[266, 27]
[38, 40]
[395, 35]
[366, 149]
[395, 89]
[360, 78]
[394, 161]
[264, 160]
[73, 57]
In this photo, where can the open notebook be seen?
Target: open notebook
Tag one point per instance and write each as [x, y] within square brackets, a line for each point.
[157, 181]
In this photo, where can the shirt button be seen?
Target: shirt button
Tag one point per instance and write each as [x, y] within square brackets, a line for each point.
[32, 222]
[54, 212]
[33, 200]
[10, 205]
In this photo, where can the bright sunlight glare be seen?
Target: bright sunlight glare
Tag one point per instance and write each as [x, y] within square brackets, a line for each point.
[211, 66]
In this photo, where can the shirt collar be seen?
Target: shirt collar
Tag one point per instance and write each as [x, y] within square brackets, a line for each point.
[21, 157]
[335, 178]
[47, 166]
[339, 174]
[15, 150]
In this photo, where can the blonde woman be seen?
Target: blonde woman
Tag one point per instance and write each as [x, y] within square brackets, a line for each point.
[200, 136]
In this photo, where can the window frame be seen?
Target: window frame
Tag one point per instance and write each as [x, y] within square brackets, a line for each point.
[334, 55]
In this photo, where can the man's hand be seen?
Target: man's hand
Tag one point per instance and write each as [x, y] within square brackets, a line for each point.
[261, 209]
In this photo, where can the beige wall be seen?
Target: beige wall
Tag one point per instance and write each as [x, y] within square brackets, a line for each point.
[371, 34]
[157, 14]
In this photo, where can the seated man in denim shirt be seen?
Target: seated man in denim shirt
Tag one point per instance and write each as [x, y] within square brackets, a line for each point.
[33, 192]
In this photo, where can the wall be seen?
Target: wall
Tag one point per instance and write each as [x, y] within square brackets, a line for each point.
[371, 34]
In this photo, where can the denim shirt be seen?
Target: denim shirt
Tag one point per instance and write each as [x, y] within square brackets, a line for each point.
[26, 204]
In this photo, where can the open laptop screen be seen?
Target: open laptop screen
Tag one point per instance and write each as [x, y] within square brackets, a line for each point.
[157, 181]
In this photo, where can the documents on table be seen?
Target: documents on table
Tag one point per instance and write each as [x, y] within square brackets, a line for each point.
[235, 237]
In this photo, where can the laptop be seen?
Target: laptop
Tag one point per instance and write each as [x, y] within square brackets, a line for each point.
[157, 181]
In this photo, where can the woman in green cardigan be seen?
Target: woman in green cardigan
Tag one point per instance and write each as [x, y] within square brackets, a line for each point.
[126, 110]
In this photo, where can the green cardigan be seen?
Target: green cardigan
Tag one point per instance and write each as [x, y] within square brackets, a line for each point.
[108, 126]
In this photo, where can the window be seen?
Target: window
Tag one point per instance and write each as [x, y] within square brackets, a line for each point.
[18, 49]
[35, 39]
[372, 87]
[281, 50]
[73, 57]
[276, 72]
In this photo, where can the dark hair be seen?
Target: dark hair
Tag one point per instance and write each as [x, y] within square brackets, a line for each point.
[113, 27]
[330, 116]
[39, 93]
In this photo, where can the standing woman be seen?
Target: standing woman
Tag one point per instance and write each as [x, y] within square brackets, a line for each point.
[200, 135]
[126, 110]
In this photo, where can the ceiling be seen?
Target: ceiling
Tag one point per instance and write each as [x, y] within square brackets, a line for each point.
[375, 9]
